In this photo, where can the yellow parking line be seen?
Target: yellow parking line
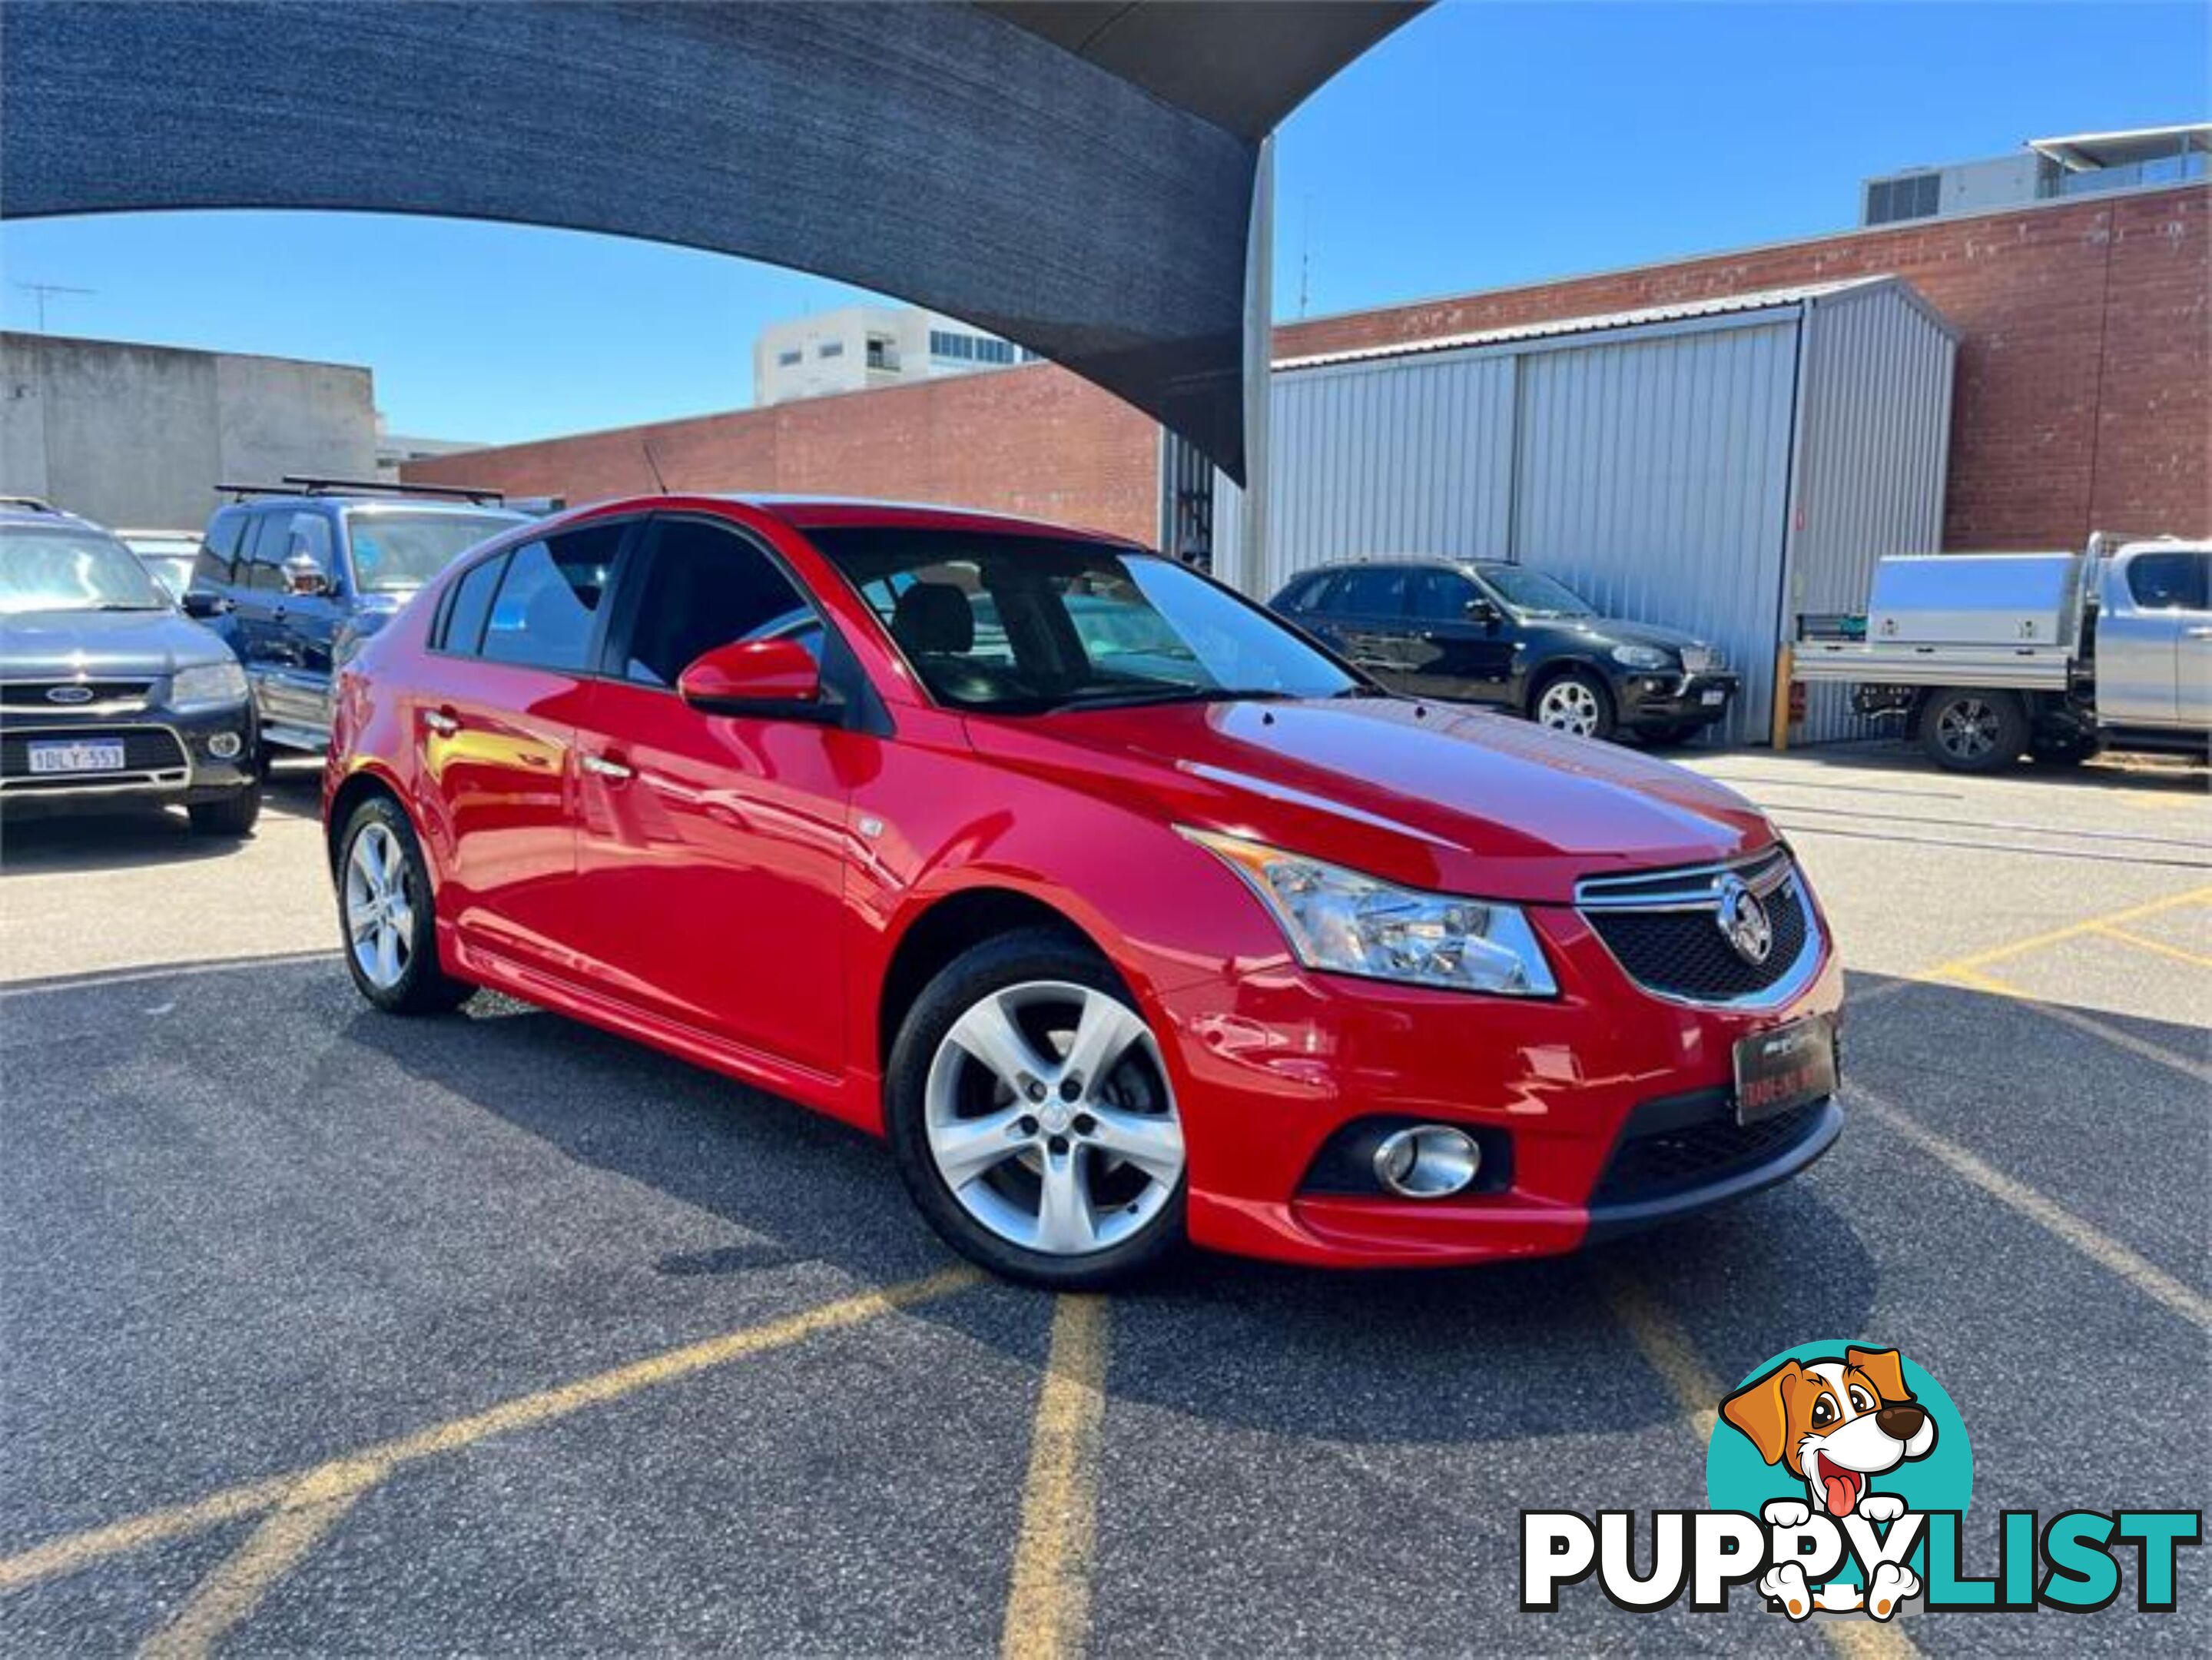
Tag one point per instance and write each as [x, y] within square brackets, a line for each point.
[234, 1589]
[357, 1471]
[2144, 943]
[2072, 931]
[1666, 1349]
[2053, 1218]
[2116, 1036]
[1048, 1606]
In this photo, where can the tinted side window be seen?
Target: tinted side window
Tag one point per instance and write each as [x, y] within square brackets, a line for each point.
[707, 586]
[550, 598]
[1371, 591]
[1441, 596]
[264, 553]
[472, 608]
[2168, 581]
[219, 553]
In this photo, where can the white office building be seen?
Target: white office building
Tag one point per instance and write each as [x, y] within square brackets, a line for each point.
[857, 348]
[2045, 168]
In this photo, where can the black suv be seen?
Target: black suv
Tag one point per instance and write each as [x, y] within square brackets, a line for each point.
[1482, 631]
[295, 576]
[107, 696]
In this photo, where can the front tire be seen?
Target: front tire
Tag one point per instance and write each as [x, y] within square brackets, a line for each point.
[1031, 1118]
[386, 914]
[1972, 730]
[235, 814]
[1576, 702]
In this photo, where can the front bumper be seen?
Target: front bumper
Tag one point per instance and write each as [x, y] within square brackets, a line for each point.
[1272, 1065]
[1672, 700]
[169, 759]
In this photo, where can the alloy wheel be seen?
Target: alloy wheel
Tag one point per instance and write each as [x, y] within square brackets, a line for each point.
[380, 918]
[1569, 706]
[1048, 1115]
[1967, 728]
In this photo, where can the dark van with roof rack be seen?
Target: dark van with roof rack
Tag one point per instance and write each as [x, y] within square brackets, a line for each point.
[295, 575]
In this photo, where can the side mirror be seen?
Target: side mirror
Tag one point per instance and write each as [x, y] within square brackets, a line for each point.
[205, 606]
[1482, 611]
[304, 578]
[773, 678]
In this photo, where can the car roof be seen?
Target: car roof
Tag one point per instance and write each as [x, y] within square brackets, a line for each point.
[1421, 561]
[371, 503]
[834, 512]
[47, 519]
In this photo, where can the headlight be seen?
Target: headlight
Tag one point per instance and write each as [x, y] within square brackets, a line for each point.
[207, 685]
[1339, 919]
[1642, 657]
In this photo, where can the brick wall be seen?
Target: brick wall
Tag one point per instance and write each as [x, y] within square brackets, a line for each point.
[1034, 441]
[2084, 397]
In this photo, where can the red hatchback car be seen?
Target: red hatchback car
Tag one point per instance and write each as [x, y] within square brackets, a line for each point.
[1124, 911]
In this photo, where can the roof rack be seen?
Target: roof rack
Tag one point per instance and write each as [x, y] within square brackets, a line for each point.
[28, 503]
[301, 484]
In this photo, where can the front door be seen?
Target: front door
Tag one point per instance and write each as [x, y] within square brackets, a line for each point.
[295, 634]
[712, 848]
[1453, 652]
[2155, 641]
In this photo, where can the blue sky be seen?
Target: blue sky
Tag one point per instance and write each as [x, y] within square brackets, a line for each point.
[1483, 145]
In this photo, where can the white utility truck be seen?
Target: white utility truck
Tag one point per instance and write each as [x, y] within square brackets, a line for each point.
[1987, 657]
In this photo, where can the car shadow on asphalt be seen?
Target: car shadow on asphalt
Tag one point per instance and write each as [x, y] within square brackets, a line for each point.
[1471, 1355]
[125, 838]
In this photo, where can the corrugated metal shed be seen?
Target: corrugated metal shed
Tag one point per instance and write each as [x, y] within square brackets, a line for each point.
[1719, 465]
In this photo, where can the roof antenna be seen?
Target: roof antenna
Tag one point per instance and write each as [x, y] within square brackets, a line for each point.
[1305, 250]
[659, 482]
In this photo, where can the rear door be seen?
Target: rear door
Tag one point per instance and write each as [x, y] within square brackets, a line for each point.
[256, 589]
[712, 848]
[495, 715]
[1367, 624]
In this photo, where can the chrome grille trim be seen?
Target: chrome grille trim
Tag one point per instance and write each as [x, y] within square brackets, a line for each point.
[113, 694]
[1769, 873]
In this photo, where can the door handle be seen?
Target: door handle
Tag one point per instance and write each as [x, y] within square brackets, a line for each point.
[2197, 634]
[607, 768]
[440, 722]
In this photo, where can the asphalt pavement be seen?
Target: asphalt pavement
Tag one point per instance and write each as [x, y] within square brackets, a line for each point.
[322, 1332]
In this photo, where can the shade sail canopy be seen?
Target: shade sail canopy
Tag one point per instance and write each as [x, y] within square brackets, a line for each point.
[1075, 177]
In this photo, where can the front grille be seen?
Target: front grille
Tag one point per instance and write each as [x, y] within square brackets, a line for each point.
[1664, 929]
[146, 750]
[1658, 1163]
[105, 696]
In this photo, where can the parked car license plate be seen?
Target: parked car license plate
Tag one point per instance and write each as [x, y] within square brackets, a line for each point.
[1713, 696]
[94, 756]
[1785, 1067]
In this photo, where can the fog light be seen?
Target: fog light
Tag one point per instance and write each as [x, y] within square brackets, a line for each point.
[1430, 1161]
[225, 745]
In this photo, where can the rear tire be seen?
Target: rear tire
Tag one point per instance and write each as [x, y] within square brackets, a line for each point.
[1966, 729]
[235, 814]
[1576, 702]
[386, 921]
[981, 1143]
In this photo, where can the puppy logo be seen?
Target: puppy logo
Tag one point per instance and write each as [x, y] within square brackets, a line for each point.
[1835, 1424]
[1851, 1436]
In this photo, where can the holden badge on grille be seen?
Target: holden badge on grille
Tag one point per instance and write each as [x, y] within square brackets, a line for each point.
[1744, 922]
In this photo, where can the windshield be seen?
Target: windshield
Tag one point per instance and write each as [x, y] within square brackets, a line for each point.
[395, 552]
[59, 567]
[173, 571]
[1018, 624]
[1534, 594]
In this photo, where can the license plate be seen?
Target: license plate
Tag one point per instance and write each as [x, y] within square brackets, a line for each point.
[1714, 698]
[1784, 1068]
[77, 757]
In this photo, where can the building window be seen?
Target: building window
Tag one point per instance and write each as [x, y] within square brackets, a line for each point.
[788, 360]
[1917, 196]
[830, 349]
[882, 352]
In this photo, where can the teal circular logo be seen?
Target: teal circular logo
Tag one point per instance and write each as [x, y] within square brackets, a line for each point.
[1833, 1425]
